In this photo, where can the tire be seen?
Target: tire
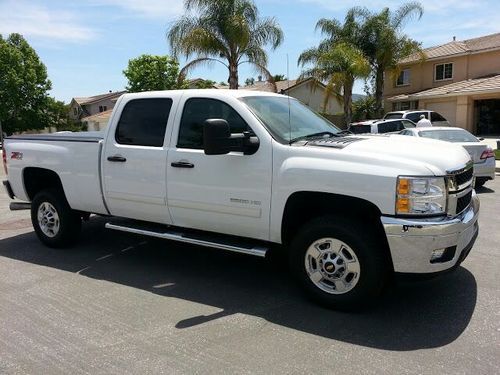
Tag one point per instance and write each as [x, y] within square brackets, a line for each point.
[480, 181]
[350, 270]
[55, 223]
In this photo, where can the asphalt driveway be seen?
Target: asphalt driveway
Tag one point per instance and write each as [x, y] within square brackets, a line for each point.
[123, 304]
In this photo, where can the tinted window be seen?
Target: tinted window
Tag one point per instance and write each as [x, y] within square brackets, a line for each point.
[415, 116]
[436, 117]
[391, 126]
[196, 111]
[143, 122]
[360, 129]
[390, 116]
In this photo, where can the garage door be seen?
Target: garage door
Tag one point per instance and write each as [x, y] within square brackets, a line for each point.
[446, 109]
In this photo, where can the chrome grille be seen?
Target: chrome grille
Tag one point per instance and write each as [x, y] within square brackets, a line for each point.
[463, 202]
[460, 189]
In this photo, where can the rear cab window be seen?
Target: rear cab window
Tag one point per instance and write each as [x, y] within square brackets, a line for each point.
[436, 117]
[393, 115]
[194, 114]
[391, 126]
[415, 116]
[143, 122]
[360, 129]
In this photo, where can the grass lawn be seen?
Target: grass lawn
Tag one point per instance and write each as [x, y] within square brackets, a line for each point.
[497, 154]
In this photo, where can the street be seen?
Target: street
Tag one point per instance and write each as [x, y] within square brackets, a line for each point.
[124, 304]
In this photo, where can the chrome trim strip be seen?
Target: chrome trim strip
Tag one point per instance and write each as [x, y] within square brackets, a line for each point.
[256, 250]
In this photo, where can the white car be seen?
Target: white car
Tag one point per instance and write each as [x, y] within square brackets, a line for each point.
[414, 115]
[380, 126]
[252, 173]
[482, 155]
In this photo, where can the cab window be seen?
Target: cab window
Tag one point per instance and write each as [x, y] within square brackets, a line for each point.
[143, 122]
[196, 111]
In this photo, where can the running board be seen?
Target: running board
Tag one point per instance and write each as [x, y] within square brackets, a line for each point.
[18, 206]
[250, 249]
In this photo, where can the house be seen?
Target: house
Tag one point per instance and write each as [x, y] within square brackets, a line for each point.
[98, 121]
[459, 79]
[309, 91]
[81, 107]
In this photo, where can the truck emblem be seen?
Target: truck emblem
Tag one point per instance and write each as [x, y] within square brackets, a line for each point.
[16, 155]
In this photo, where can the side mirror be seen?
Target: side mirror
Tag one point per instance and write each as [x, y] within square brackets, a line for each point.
[216, 136]
[218, 140]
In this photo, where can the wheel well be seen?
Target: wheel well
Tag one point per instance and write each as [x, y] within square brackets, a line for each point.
[303, 206]
[38, 179]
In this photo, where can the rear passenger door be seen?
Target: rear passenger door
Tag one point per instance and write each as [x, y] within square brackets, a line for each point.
[134, 161]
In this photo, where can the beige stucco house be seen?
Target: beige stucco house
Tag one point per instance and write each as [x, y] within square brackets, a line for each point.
[309, 91]
[81, 107]
[459, 79]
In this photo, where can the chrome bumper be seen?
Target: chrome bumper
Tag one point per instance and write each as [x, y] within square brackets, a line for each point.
[412, 241]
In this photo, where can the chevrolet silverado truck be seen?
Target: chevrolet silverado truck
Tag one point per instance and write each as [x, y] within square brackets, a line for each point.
[255, 173]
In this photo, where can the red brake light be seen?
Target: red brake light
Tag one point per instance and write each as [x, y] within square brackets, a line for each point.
[4, 159]
[488, 153]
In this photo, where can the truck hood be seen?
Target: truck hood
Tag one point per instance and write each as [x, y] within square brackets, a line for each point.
[438, 157]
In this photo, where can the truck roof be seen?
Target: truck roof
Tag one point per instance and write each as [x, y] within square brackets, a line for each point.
[201, 92]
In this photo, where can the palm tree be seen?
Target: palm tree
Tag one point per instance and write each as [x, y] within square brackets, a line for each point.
[384, 44]
[229, 32]
[337, 60]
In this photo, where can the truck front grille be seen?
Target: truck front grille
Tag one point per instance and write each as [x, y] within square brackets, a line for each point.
[464, 177]
[463, 202]
[459, 189]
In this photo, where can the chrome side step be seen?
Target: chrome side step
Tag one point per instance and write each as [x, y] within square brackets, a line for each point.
[259, 251]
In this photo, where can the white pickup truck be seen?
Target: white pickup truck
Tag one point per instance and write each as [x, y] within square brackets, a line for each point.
[255, 172]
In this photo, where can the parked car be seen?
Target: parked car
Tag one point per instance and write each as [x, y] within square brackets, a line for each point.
[414, 115]
[482, 155]
[253, 173]
[380, 126]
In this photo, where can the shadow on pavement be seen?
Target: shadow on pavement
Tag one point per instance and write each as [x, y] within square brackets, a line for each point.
[412, 316]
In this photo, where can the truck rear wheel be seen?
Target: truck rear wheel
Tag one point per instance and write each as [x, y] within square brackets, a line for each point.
[55, 223]
[337, 265]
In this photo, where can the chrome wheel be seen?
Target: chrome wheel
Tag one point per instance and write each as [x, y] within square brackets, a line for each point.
[48, 219]
[332, 266]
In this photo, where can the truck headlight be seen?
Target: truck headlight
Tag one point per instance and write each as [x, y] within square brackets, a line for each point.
[420, 196]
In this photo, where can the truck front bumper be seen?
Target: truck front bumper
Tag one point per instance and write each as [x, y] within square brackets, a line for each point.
[416, 244]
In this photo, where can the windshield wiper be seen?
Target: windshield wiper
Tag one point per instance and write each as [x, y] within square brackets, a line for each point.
[313, 135]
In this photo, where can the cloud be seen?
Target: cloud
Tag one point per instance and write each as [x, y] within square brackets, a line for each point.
[40, 22]
[164, 9]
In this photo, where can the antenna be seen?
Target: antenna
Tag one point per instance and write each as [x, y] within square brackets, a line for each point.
[288, 95]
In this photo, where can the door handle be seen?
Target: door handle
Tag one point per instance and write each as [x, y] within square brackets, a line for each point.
[117, 158]
[182, 164]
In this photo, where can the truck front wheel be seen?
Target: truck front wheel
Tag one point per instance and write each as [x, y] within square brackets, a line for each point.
[55, 223]
[338, 265]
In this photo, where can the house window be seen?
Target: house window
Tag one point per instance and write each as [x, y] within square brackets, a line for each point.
[404, 106]
[103, 108]
[75, 111]
[443, 71]
[403, 78]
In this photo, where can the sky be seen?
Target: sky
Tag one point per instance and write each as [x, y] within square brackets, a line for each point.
[86, 44]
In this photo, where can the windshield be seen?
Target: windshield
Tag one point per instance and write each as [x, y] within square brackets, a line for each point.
[287, 118]
[393, 115]
[450, 135]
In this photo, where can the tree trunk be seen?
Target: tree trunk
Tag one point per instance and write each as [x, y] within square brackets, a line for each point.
[379, 91]
[233, 76]
[348, 102]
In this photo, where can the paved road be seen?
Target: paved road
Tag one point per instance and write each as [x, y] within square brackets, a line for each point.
[122, 304]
